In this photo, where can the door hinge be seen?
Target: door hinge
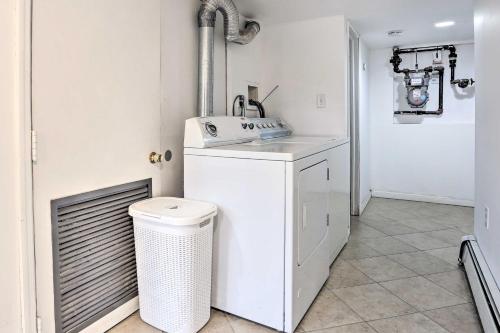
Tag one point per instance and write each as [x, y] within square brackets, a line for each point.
[327, 173]
[327, 220]
[38, 325]
[34, 153]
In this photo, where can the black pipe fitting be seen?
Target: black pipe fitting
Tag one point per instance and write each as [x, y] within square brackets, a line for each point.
[396, 61]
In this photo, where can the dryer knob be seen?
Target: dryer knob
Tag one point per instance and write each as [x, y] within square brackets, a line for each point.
[211, 129]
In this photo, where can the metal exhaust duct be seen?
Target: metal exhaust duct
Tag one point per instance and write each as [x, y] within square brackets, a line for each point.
[232, 33]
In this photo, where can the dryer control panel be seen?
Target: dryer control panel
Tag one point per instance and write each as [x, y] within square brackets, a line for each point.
[205, 132]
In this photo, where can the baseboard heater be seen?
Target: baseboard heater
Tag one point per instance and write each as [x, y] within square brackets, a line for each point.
[94, 254]
[484, 288]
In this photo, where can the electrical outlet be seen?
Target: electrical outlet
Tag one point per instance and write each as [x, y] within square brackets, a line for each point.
[487, 217]
[321, 101]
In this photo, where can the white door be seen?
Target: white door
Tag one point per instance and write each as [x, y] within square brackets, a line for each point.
[313, 190]
[96, 108]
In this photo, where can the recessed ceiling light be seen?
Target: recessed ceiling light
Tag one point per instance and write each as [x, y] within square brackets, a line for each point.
[394, 33]
[444, 24]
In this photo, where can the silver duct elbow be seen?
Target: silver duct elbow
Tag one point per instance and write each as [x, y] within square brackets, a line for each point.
[251, 30]
[232, 33]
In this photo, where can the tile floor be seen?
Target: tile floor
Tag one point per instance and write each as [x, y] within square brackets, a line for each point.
[398, 273]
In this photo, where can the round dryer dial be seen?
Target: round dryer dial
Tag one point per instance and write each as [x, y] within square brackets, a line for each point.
[211, 129]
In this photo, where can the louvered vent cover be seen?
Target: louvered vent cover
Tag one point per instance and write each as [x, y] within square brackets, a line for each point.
[94, 258]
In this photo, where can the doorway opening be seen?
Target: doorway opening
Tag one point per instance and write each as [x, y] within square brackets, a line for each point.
[353, 91]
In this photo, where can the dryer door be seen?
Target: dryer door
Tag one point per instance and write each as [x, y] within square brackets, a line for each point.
[313, 209]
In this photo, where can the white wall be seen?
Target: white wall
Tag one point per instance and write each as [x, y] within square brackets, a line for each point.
[431, 161]
[246, 67]
[179, 82]
[307, 58]
[10, 278]
[179, 73]
[365, 185]
[487, 30]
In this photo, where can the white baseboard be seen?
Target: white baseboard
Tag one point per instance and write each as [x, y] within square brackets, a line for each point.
[483, 285]
[364, 203]
[113, 318]
[422, 198]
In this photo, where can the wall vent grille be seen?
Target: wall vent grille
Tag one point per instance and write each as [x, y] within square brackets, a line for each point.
[94, 253]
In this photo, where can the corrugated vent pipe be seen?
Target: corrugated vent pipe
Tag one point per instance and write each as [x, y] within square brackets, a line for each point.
[232, 33]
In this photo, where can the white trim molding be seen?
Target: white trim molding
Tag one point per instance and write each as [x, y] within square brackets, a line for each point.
[484, 288]
[23, 14]
[113, 318]
[364, 203]
[423, 198]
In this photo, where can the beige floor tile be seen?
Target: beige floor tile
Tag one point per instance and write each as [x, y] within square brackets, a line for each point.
[448, 254]
[422, 293]
[457, 217]
[457, 319]
[455, 281]
[414, 323]
[388, 227]
[133, 324]
[422, 224]
[218, 323]
[382, 269]
[423, 241]
[467, 229]
[356, 249]
[240, 325]
[389, 245]
[422, 263]
[450, 236]
[431, 210]
[354, 328]
[392, 209]
[343, 274]
[373, 302]
[362, 231]
[328, 311]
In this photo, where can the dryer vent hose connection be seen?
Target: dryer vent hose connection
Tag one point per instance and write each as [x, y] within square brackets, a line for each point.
[232, 32]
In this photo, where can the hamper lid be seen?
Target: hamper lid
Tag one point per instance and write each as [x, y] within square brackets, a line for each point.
[173, 211]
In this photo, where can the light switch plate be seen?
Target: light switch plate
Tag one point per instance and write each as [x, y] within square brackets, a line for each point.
[321, 101]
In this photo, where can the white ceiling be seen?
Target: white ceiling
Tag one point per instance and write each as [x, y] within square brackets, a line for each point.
[374, 18]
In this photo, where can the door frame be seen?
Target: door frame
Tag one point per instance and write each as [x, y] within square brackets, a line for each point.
[24, 106]
[353, 111]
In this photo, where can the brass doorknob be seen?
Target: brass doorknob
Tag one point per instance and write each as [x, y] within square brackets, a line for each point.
[155, 158]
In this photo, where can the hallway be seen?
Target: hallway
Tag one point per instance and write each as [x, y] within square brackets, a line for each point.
[398, 273]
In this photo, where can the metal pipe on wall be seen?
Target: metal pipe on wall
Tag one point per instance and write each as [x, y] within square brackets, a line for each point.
[232, 33]
[206, 72]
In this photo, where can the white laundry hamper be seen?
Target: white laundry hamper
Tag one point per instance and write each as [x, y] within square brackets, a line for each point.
[173, 244]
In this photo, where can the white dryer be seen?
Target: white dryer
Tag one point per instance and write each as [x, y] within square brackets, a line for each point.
[282, 220]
